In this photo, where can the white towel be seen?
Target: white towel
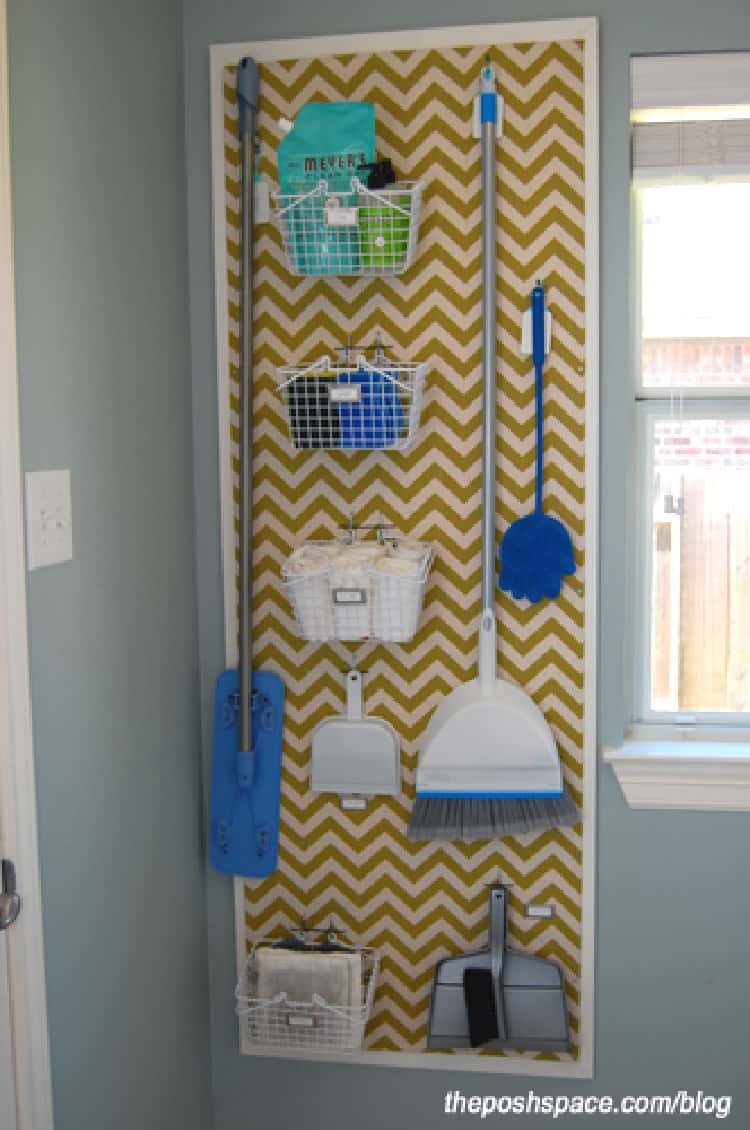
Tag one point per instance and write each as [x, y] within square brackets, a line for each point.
[336, 977]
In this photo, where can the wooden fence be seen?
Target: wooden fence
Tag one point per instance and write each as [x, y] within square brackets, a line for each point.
[701, 596]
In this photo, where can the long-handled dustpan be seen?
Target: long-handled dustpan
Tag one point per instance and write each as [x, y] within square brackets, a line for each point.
[489, 765]
[249, 707]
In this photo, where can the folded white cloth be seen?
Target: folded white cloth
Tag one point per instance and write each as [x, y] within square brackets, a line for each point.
[309, 559]
[336, 977]
[398, 566]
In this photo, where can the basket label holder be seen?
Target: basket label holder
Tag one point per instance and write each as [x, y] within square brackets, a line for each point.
[349, 596]
[339, 215]
[345, 394]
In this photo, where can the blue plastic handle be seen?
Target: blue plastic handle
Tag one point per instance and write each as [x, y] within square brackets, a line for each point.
[537, 350]
[537, 324]
[488, 108]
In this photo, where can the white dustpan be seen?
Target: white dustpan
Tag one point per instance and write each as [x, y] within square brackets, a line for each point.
[488, 738]
[353, 754]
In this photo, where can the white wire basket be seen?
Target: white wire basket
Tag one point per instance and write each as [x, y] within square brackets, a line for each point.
[367, 406]
[362, 232]
[343, 590]
[313, 1024]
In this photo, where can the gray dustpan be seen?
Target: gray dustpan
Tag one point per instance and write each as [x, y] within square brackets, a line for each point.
[508, 999]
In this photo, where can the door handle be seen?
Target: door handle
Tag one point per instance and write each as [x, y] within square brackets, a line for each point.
[10, 900]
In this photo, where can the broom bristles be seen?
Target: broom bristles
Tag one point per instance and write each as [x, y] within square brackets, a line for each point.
[488, 818]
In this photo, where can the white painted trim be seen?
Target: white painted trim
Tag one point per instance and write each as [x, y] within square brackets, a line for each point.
[586, 29]
[468, 35]
[18, 795]
[591, 598]
[221, 295]
[691, 775]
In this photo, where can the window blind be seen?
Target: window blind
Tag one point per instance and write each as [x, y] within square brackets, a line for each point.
[705, 147]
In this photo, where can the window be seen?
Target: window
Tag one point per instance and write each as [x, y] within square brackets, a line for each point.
[691, 178]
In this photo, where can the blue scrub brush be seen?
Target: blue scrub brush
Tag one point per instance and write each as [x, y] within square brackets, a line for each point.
[537, 551]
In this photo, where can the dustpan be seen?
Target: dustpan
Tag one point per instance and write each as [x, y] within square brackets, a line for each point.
[498, 998]
[489, 764]
[354, 754]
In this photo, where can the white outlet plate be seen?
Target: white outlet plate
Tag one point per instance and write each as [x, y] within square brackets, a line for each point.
[49, 518]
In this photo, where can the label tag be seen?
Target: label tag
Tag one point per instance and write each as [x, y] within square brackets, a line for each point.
[338, 216]
[300, 1021]
[345, 394]
[349, 596]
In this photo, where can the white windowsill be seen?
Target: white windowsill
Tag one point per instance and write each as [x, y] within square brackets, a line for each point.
[694, 773]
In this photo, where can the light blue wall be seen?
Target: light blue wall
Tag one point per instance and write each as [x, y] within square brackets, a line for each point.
[673, 910]
[98, 151]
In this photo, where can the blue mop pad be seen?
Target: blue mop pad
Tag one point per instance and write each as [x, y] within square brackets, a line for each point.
[377, 419]
[246, 787]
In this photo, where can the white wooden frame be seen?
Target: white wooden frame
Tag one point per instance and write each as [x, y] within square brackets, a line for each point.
[585, 29]
[18, 793]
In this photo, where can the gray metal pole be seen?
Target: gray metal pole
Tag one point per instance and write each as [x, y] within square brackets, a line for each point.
[247, 93]
[489, 361]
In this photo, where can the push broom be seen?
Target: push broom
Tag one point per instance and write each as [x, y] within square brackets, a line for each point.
[489, 766]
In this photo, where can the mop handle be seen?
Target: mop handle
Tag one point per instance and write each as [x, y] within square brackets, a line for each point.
[487, 625]
[537, 337]
[247, 99]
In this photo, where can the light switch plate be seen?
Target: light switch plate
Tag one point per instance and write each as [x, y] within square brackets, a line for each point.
[49, 518]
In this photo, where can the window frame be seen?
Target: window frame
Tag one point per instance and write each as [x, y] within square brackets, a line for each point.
[648, 412]
[666, 761]
[651, 404]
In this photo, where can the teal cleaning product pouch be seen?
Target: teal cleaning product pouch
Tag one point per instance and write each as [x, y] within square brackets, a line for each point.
[328, 142]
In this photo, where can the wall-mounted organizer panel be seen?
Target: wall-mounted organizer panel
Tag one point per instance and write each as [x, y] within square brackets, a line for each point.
[412, 903]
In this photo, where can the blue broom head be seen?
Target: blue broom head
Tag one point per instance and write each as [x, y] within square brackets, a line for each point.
[535, 554]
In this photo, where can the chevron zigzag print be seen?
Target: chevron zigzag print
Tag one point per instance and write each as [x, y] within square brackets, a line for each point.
[417, 903]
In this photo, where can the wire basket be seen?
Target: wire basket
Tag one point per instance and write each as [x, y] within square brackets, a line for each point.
[343, 590]
[361, 407]
[311, 1025]
[361, 232]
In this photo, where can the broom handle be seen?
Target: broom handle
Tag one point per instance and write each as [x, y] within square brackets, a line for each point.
[247, 97]
[487, 629]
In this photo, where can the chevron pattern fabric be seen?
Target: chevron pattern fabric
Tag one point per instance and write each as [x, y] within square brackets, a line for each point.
[417, 903]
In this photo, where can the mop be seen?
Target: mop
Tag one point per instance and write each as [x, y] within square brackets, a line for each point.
[489, 766]
[248, 705]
